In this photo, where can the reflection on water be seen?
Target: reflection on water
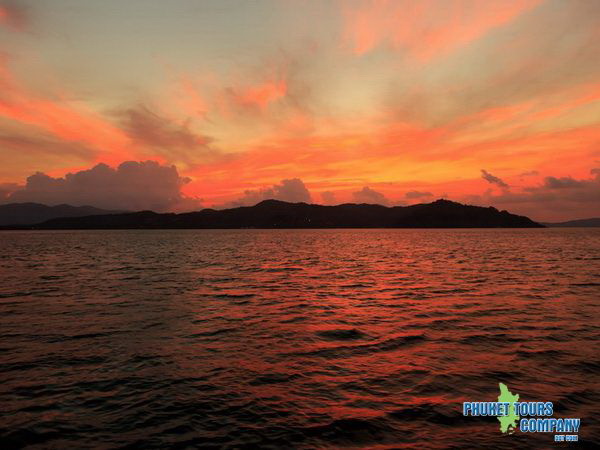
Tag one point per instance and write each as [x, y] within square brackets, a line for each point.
[296, 338]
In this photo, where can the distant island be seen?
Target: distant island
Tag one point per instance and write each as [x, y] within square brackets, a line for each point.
[594, 222]
[33, 213]
[279, 214]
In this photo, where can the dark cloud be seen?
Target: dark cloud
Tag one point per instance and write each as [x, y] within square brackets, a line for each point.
[368, 195]
[292, 190]
[131, 186]
[176, 140]
[43, 144]
[563, 183]
[556, 199]
[417, 194]
[529, 173]
[492, 179]
[328, 198]
[14, 14]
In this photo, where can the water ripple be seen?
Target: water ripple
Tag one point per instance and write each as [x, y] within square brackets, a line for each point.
[293, 338]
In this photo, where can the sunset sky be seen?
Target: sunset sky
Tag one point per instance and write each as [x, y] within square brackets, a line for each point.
[183, 104]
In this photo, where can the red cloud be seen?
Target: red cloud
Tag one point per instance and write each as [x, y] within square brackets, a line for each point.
[191, 100]
[69, 123]
[427, 28]
[210, 97]
[263, 94]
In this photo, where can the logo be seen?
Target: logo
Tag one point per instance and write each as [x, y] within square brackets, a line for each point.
[526, 417]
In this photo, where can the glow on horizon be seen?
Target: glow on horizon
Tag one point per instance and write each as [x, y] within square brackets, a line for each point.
[412, 99]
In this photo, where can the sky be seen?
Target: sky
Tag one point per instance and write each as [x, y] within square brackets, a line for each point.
[186, 104]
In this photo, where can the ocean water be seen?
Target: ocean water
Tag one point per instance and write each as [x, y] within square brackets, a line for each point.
[294, 338]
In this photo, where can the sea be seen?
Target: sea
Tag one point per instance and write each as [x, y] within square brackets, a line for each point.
[355, 338]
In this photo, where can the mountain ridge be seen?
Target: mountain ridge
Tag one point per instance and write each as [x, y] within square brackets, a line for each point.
[278, 214]
[591, 222]
[30, 213]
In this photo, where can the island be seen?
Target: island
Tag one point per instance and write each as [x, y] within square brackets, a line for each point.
[280, 214]
[32, 213]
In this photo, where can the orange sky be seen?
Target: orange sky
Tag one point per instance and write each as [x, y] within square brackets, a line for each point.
[486, 102]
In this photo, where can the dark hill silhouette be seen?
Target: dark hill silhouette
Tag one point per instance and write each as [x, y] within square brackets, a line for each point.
[593, 222]
[32, 213]
[278, 214]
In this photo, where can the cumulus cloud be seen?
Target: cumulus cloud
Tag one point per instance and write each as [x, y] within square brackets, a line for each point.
[368, 195]
[292, 190]
[493, 179]
[131, 186]
[417, 194]
[328, 198]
